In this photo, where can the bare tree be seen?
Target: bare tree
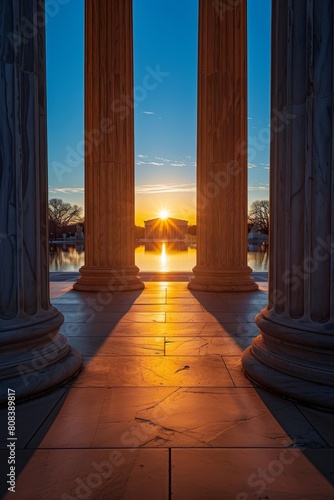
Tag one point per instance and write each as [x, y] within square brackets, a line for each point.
[62, 214]
[258, 215]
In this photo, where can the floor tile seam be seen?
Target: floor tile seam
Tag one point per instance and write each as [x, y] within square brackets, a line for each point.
[170, 475]
[110, 337]
[124, 336]
[178, 447]
[89, 357]
[107, 336]
[312, 425]
[223, 360]
[62, 397]
[234, 387]
[199, 356]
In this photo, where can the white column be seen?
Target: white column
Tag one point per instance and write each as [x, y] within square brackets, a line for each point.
[109, 159]
[222, 151]
[294, 355]
[34, 356]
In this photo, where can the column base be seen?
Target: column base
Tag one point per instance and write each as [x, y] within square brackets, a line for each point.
[295, 363]
[107, 279]
[215, 279]
[36, 358]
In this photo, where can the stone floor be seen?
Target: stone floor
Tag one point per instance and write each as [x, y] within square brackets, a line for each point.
[162, 409]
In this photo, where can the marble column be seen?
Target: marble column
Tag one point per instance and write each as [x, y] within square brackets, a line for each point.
[35, 357]
[294, 353]
[222, 151]
[109, 156]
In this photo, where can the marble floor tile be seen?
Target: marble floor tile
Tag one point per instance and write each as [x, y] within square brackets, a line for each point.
[131, 329]
[78, 317]
[29, 416]
[246, 474]
[304, 432]
[201, 346]
[186, 306]
[175, 308]
[179, 301]
[260, 299]
[119, 346]
[158, 297]
[128, 317]
[233, 364]
[248, 317]
[96, 474]
[320, 419]
[127, 308]
[323, 460]
[174, 371]
[263, 287]
[235, 328]
[237, 308]
[125, 298]
[203, 317]
[167, 417]
[59, 289]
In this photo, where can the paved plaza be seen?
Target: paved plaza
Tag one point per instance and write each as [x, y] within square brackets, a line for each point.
[162, 410]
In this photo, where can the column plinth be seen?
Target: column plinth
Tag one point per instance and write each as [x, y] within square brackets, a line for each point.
[109, 149]
[222, 151]
[294, 355]
[108, 279]
[220, 279]
[35, 357]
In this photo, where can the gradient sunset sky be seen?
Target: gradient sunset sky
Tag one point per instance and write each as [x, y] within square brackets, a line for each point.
[165, 42]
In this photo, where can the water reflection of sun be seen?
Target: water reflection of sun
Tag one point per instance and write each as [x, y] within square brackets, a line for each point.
[163, 257]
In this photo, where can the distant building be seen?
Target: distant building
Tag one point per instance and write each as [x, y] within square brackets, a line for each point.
[255, 236]
[165, 229]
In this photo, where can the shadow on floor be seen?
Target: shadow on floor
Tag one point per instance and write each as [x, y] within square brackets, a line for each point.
[311, 430]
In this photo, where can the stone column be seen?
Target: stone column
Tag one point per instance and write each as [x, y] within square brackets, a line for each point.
[294, 355]
[222, 150]
[35, 357]
[109, 158]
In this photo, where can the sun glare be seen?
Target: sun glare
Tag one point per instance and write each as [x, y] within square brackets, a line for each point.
[163, 214]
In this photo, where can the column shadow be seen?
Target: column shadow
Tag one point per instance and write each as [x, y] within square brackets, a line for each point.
[35, 417]
[311, 430]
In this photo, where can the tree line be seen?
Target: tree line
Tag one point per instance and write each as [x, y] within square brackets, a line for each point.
[63, 218]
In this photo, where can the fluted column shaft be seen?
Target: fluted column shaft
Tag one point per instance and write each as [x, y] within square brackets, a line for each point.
[295, 353]
[34, 355]
[222, 151]
[109, 158]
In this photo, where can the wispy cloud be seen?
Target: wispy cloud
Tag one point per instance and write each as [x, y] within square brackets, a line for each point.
[259, 188]
[159, 161]
[249, 118]
[154, 163]
[165, 188]
[148, 113]
[66, 190]
[265, 165]
[252, 165]
[162, 159]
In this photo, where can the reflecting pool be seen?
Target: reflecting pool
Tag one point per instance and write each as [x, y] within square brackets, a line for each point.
[157, 256]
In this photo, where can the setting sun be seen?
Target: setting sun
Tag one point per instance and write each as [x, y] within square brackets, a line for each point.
[163, 214]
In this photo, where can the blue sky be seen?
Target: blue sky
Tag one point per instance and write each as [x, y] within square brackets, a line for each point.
[165, 42]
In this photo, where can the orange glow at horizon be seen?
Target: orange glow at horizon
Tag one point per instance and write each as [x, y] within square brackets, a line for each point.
[178, 205]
